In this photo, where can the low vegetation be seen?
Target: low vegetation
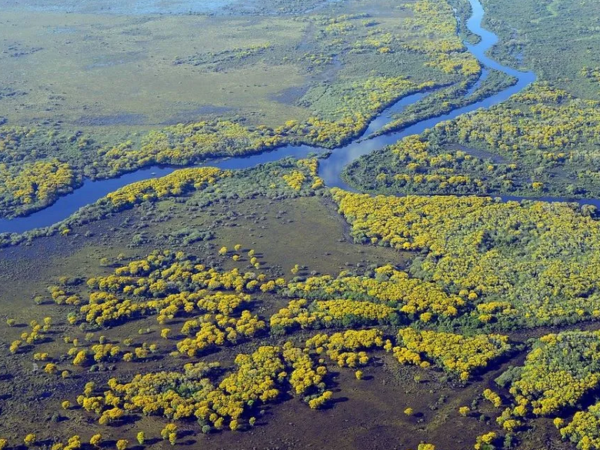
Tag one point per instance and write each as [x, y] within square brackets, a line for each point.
[542, 142]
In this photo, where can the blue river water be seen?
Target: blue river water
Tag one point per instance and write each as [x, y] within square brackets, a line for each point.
[330, 168]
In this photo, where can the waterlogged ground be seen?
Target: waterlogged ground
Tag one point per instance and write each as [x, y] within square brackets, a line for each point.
[151, 63]
[144, 7]
[110, 72]
[99, 94]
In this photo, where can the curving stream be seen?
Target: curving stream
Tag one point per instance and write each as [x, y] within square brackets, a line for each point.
[330, 169]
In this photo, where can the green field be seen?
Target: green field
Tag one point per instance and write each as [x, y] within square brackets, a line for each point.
[557, 39]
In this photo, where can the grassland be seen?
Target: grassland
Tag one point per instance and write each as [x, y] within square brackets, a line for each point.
[557, 39]
[119, 72]
[298, 236]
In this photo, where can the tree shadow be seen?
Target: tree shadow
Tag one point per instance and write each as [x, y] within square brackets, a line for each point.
[334, 401]
[128, 420]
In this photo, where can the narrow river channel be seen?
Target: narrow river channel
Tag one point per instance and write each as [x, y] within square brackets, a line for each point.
[330, 168]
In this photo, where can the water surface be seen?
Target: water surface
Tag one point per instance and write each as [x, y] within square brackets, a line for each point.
[330, 169]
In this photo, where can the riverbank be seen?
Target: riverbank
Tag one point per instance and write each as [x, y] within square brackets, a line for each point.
[330, 168]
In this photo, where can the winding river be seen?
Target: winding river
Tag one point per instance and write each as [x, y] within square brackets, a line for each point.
[330, 169]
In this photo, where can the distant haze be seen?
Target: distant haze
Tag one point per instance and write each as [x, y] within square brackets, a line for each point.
[119, 6]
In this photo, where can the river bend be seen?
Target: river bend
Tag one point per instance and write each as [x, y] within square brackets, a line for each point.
[330, 168]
